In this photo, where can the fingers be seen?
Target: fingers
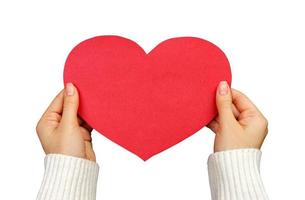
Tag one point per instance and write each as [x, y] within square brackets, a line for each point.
[236, 112]
[52, 113]
[224, 103]
[242, 102]
[84, 124]
[71, 102]
[86, 134]
[214, 126]
[56, 105]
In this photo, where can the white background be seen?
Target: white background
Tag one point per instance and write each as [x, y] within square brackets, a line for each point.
[264, 41]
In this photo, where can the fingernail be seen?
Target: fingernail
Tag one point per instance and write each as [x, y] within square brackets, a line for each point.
[69, 89]
[223, 88]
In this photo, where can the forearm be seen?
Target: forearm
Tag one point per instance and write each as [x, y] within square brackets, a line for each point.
[234, 175]
[68, 177]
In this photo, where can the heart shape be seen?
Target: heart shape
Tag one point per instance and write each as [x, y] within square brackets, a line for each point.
[146, 103]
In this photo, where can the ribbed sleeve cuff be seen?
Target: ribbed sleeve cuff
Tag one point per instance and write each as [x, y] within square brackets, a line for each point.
[234, 175]
[68, 177]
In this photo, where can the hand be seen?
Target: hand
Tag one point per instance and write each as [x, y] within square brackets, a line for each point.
[61, 131]
[239, 123]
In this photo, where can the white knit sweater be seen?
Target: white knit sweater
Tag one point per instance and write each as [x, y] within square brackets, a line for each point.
[233, 175]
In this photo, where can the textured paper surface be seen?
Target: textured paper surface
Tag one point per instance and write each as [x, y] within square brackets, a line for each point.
[147, 103]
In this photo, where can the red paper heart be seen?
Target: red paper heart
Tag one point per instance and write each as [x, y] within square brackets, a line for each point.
[147, 103]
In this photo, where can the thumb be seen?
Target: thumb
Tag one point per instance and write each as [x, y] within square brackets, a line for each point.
[69, 115]
[224, 102]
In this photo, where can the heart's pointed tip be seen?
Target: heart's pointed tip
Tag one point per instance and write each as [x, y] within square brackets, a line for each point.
[145, 157]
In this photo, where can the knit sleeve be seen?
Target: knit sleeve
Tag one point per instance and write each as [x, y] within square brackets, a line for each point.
[68, 177]
[235, 175]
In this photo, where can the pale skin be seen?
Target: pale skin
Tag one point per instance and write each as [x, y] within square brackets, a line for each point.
[239, 124]
[61, 131]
